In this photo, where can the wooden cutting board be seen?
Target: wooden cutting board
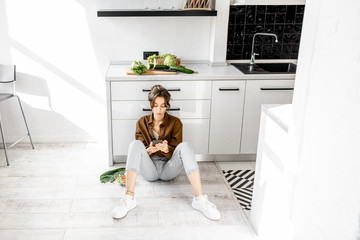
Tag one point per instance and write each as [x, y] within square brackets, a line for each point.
[151, 72]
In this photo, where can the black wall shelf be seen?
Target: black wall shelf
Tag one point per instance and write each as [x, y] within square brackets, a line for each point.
[156, 13]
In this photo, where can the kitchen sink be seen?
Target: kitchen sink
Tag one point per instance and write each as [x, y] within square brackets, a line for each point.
[266, 68]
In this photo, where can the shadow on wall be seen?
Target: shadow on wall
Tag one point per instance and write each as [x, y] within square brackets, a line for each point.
[53, 111]
[35, 87]
[54, 70]
[36, 101]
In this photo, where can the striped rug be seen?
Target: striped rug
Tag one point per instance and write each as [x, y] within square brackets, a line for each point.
[241, 182]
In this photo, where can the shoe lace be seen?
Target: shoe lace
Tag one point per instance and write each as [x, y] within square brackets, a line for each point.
[123, 202]
[208, 203]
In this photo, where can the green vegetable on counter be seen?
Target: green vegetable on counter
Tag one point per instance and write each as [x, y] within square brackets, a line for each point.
[169, 61]
[161, 67]
[150, 59]
[182, 69]
[138, 67]
[165, 55]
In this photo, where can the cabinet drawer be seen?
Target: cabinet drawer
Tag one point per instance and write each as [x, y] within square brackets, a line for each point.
[195, 131]
[180, 108]
[177, 89]
[260, 92]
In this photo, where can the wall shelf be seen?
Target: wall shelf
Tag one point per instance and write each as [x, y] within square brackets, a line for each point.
[156, 13]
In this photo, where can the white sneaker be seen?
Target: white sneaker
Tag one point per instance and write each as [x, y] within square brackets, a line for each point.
[203, 205]
[125, 204]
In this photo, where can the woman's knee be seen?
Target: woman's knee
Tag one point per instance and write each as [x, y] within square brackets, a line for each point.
[167, 178]
[133, 157]
[149, 177]
[184, 145]
[135, 144]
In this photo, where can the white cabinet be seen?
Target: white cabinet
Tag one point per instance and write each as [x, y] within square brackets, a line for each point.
[219, 117]
[260, 92]
[196, 132]
[226, 117]
[123, 132]
[191, 102]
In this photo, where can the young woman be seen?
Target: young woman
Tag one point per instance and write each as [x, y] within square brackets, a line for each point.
[163, 160]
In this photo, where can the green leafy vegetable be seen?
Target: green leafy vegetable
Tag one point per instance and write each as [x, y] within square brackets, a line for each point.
[111, 175]
[165, 55]
[169, 60]
[150, 59]
[138, 67]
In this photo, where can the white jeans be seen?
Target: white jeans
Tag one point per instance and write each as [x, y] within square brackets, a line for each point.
[156, 167]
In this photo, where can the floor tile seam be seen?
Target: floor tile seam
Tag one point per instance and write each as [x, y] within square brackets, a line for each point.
[163, 226]
[239, 223]
[97, 212]
[31, 229]
[92, 198]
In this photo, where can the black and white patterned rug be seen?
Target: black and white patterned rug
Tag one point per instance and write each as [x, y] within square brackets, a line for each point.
[241, 182]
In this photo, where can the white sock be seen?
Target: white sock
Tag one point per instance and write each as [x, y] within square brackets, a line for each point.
[197, 198]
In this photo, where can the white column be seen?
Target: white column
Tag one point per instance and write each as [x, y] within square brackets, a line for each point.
[219, 31]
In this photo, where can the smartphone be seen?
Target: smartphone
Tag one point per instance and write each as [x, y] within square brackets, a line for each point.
[156, 142]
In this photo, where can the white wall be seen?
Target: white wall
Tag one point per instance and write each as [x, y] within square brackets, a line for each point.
[327, 114]
[62, 51]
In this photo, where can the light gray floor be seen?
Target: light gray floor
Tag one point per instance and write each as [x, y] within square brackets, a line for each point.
[53, 192]
[237, 165]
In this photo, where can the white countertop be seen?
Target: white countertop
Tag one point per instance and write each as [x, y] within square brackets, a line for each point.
[117, 72]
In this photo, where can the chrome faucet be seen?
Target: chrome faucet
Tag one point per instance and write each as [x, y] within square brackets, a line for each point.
[252, 60]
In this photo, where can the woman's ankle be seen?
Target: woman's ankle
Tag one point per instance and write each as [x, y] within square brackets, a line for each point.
[129, 192]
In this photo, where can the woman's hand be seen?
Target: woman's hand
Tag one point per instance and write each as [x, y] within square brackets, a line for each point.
[164, 147]
[151, 149]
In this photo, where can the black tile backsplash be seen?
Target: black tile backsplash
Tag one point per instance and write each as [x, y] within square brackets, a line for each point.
[246, 20]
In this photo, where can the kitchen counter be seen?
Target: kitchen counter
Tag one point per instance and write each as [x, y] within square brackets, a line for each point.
[117, 72]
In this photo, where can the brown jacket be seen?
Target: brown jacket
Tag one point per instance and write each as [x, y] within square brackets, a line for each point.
[170, 130]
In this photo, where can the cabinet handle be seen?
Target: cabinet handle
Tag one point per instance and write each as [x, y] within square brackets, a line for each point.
[169, 89]
[171, 109]
[229, 89]
[266, 89]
